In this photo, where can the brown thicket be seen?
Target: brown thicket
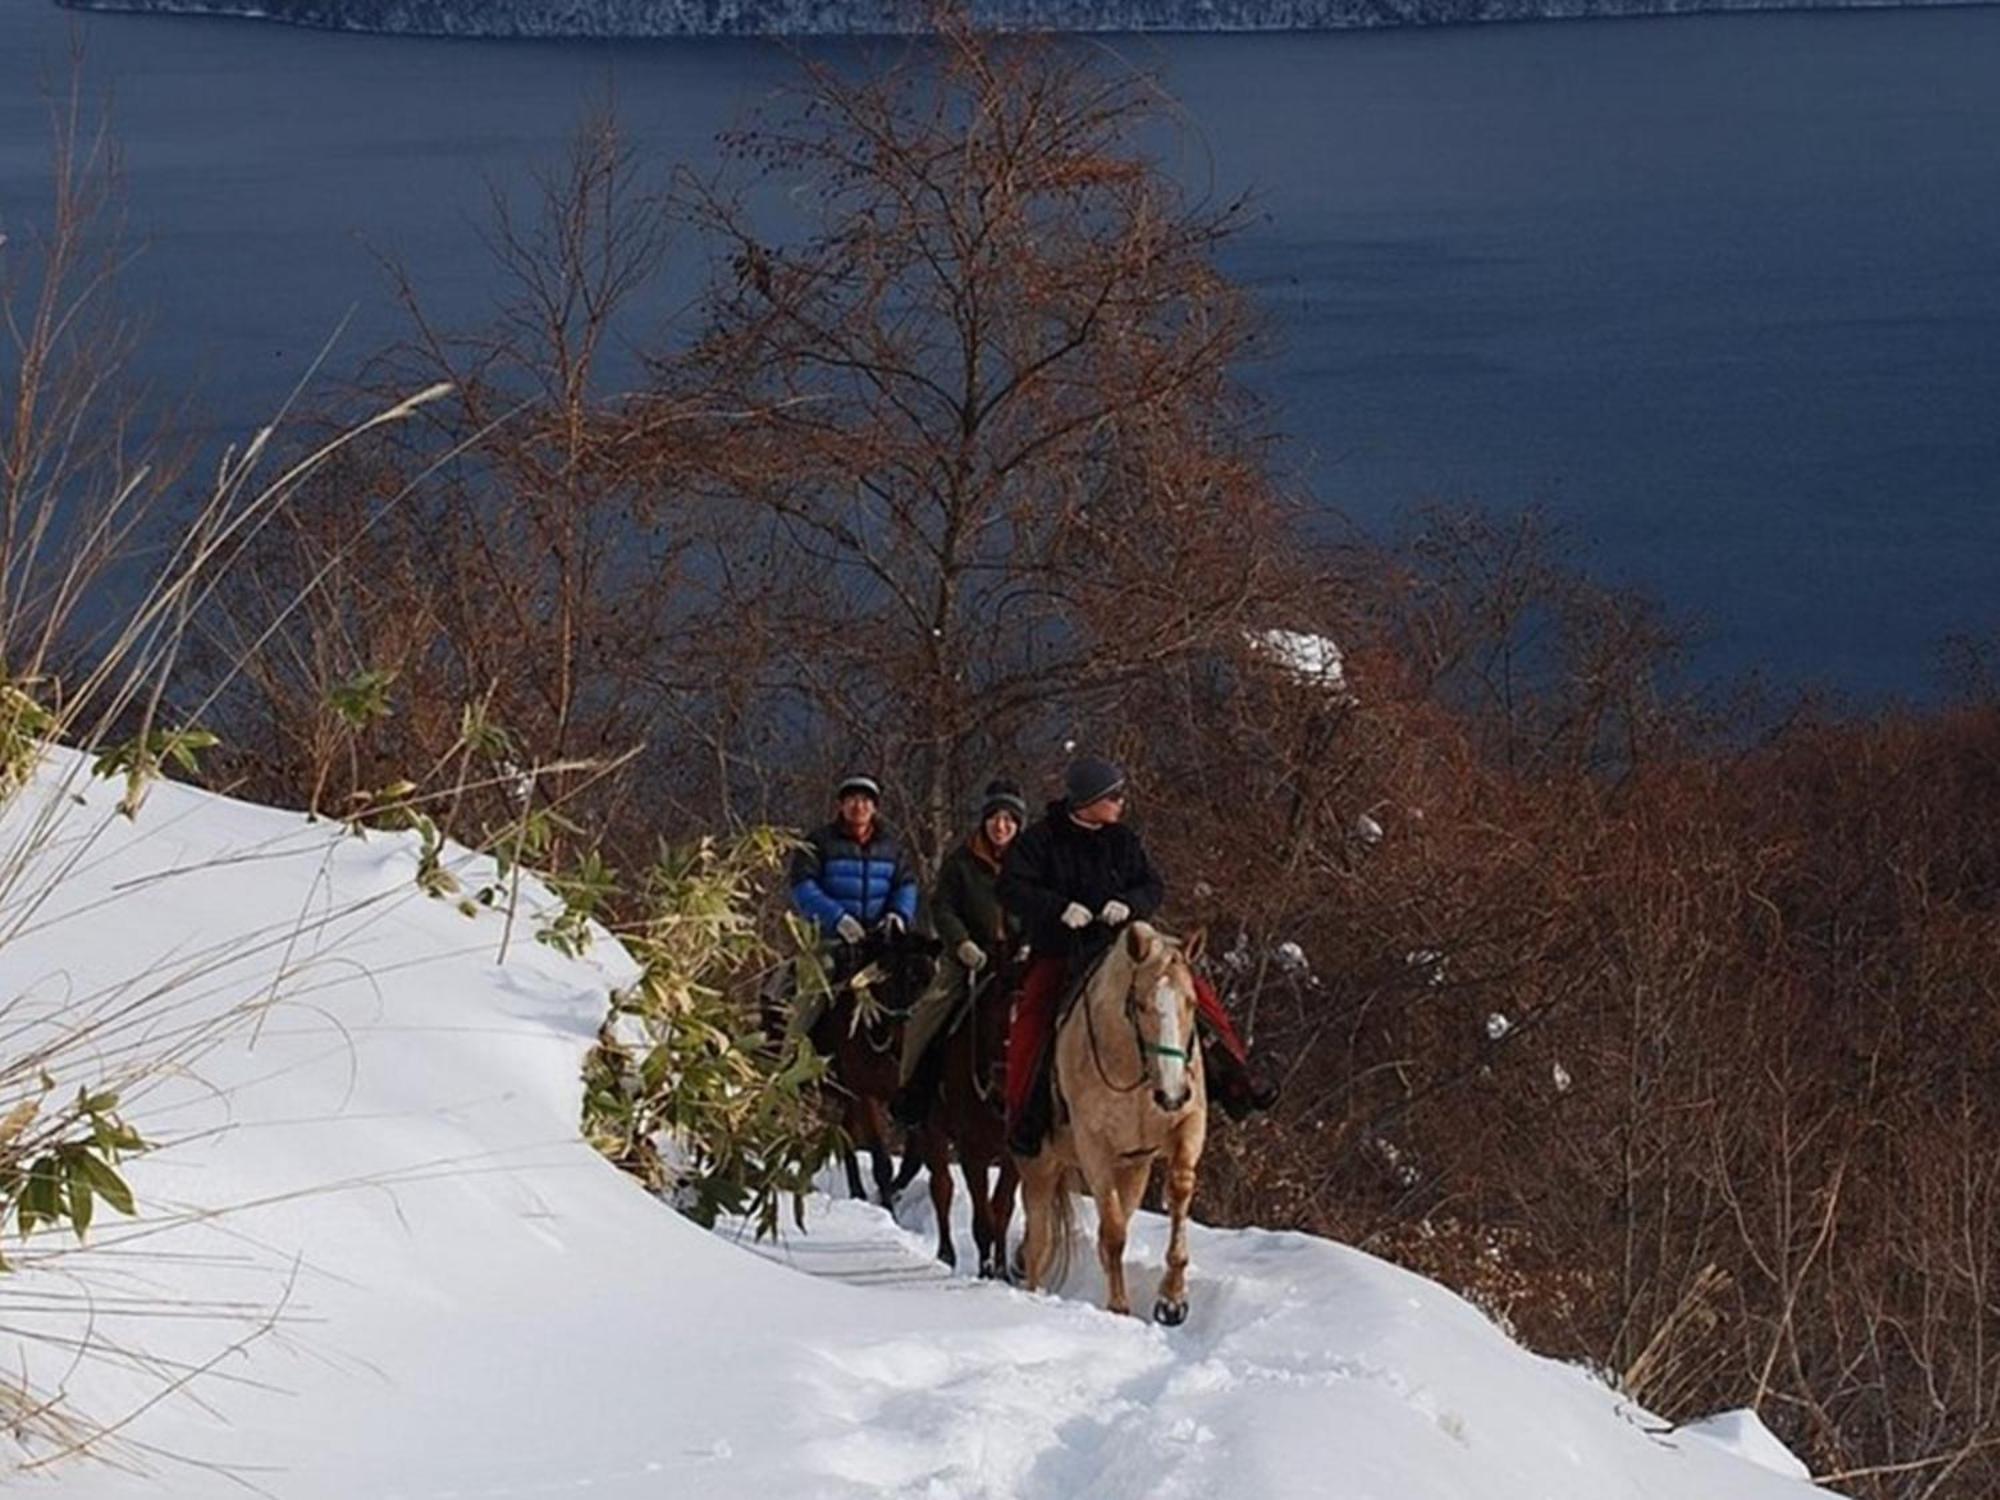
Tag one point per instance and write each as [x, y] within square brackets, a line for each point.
[1665, 1029]
[1673, 1045]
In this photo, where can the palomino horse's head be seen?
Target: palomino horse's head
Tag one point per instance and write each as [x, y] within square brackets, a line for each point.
[1160, 1003]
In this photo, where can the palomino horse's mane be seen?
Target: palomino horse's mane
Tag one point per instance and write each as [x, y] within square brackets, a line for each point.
[1116, 965]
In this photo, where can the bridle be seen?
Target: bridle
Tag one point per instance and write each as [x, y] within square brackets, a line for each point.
[873, 1023]
[1146, 1049]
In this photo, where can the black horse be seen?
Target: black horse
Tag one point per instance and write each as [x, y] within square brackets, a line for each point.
[875, 984]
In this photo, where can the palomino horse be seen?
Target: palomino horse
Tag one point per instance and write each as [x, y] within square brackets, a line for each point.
[970, 1113]
[875, 983]
[1128, 1084]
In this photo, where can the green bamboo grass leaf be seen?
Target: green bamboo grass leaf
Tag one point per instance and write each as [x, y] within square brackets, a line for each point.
[82, 1201]
[108, 1185]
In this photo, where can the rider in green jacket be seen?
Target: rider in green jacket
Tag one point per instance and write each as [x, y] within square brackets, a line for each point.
[977, 933]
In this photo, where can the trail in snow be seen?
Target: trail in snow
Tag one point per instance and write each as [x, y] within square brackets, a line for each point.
[421, 1285]
[1304, 1368]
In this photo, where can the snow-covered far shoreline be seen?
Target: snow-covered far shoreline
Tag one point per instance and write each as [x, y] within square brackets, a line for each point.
[406, 1276]
[653, 19]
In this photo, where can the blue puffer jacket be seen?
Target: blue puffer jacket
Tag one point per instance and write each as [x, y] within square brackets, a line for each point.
[833, 877]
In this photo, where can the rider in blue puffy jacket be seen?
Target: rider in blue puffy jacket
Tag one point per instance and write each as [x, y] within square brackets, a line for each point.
[852, 876]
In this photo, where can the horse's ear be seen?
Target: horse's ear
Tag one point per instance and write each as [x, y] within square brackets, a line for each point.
[1195, 946]
[1136, 944]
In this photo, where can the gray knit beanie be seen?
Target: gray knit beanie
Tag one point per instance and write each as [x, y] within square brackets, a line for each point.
[1003, 795]
[1091, 780]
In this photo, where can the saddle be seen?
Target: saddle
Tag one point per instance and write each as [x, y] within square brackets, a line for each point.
[1046, 1108]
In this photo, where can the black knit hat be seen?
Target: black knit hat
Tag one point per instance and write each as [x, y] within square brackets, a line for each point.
[1003, 795]
[1091, 780]
[868, 786]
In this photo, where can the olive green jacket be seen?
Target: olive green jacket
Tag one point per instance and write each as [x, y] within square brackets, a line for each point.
[966, 902]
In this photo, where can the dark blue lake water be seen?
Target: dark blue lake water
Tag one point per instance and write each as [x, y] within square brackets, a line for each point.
[1723, 292]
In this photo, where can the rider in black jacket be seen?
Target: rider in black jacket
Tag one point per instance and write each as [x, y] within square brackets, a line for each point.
[1074, 879]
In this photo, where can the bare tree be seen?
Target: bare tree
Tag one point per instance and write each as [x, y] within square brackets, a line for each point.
[80, 469]
[513, 556]
[985, 466]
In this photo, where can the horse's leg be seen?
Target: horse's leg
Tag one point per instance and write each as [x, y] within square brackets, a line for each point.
[979, 1193]
[1131, 1180]
[1111, 1226]
[851, 1126]
[916, 1145]
[937, 1150]
[1133, 1177]
[1003, 1210]
[1105, 1178]
[1040, 1181]
[1183, 1154]
[884, 1169]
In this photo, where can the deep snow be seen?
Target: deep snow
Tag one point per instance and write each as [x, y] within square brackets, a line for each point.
[468, 1302]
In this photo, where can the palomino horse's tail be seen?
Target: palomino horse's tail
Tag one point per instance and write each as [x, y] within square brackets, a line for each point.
[1062, 1228]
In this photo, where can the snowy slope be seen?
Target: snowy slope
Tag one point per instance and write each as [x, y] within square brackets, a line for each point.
[469, 1303]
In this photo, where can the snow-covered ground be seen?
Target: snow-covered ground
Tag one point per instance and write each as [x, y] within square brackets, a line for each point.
[408, 1279]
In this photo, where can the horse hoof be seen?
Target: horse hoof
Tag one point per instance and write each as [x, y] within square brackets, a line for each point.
[1170, 1314]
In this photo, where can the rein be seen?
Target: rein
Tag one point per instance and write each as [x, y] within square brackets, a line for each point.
[1097, 1056]
[879, 1039]
[983, 1087]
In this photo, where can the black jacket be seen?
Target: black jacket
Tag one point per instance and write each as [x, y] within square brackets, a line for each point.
[1056, 861]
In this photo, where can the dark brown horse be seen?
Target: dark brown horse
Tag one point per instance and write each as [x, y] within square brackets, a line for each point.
[875, 983]
[969, 1113]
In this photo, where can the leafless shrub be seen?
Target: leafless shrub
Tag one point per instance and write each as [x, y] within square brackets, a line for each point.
[987, 468]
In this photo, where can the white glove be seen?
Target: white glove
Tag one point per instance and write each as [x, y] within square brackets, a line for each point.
[972, 955]
[893, 924]
[849, 928]
[1075, 917]
[1115, 914]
